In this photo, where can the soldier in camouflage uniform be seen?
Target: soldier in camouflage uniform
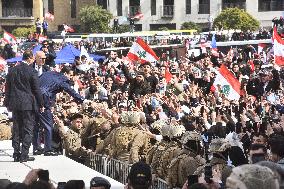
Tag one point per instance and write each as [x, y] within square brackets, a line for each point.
[172, 149]
[187, 161]
[72, 138]
[127, 142]
[5, 129]
[95, 132]
[154, 154]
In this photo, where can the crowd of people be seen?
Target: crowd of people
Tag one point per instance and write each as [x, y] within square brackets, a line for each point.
[164, 113]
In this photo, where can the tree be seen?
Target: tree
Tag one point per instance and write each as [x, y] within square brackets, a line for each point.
[95, 19]
[235, 18]
[23, 32]
[190, 26]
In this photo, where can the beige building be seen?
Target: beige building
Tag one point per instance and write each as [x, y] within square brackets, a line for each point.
[15, 13]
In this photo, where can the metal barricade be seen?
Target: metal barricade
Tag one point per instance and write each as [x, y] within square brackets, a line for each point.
[117, 170]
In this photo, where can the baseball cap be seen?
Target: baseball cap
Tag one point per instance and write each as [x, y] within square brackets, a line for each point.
[140, 174]
[99, 181]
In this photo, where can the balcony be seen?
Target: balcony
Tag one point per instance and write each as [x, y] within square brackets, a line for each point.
[241, 5]
[133, 10]
[168, 11]
[17, 12]
[204, 9]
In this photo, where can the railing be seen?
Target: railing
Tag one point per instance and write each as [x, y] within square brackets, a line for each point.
[118, 170]
[241, 5]
[133, 10]
[17, 12]
[168, 10]
[204, 9]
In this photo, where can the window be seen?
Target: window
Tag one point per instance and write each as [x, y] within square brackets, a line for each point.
[51, 6]
[153, 7]
[270, 5]
[102, 3]
[73, 9]
[241, 4]
[188, 6]
[119, 7]
[204, 7]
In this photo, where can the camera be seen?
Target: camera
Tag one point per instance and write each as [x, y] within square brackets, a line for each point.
[43, 175]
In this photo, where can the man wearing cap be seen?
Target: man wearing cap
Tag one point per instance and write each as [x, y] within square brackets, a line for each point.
[72, 138]
[140, 176]
[99, 183]
[139, 86]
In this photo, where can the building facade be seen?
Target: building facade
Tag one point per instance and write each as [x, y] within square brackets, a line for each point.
[157, 13]
[172, 13]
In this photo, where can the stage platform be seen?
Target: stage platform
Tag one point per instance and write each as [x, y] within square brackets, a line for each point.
[61, 168]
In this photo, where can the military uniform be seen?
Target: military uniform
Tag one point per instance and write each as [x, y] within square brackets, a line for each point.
[185, 164]
[171, 151]
[72, 145]
[127, 143]
[5, 129]
[92, 134]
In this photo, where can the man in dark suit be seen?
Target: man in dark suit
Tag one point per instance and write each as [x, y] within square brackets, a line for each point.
[23, 98]
[52, 83]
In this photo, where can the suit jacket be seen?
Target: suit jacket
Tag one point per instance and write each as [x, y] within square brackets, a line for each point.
[52, 83]
[22, 89]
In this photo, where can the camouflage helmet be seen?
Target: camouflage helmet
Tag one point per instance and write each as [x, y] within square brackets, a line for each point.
[165, 130]
[3, 118]
[190, 135]
[219, 145]
[252, 176]
[159, 124]
[130, 117]
[176, 131]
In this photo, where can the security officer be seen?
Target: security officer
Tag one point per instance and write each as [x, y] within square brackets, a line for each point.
[172, 150]
[52, 83]
[187, 162]
[95, 132]
[127, 142]
[72, 138]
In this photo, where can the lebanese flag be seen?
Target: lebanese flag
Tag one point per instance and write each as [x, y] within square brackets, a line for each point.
[230, 86]
[3, 64]
[260, 47]
[9, 38]
[49, 16]
[278, 44]
[68, 29]
[138, 16]
[142, 52]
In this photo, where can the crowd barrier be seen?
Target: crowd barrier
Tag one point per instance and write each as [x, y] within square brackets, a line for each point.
[118, 170]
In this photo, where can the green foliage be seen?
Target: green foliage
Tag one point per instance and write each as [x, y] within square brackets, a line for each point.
[190, 26]
[95, 19]
[163, 29]
[122, 29]
[23, 32]
[234, 18]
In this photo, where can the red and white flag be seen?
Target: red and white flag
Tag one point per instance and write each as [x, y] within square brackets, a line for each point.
[49, 16]
[141, 51]
[203, 46]
[68, 29]
[228, 84]
[278, 45]
[3, 64]
[138, 16]
[9, 38]
[260, 47]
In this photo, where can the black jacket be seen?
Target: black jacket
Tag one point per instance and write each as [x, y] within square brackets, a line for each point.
[22, 89]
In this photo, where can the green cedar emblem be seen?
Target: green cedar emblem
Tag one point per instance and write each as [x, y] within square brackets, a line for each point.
[142, 54]
[226, 89]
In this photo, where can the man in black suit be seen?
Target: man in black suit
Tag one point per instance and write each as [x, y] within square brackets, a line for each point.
[23, 98]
